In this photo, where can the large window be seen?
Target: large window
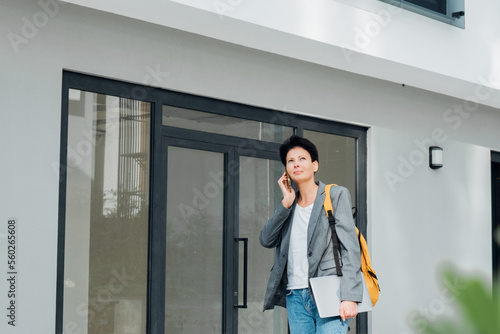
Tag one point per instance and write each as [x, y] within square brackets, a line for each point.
[447, 11]
[107, 208]
[162, 201]
[225, 125]
[438, 6]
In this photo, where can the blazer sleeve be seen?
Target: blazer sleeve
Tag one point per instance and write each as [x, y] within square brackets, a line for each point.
[270, 235]
[351, 286]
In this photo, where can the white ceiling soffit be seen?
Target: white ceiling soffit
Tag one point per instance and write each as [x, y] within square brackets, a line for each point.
[207, 22]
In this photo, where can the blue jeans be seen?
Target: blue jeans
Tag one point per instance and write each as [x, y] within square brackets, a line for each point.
[303, 316]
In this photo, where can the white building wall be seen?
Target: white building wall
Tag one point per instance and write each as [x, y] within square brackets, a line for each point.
[414, 226]
[368, 37]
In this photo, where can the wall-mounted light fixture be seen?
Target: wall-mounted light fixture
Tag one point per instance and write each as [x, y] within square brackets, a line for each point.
[435, 157]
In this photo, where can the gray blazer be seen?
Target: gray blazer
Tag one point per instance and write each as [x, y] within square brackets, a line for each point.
[276, 234]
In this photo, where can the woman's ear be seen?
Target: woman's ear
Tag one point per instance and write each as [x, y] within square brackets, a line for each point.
[316, 166]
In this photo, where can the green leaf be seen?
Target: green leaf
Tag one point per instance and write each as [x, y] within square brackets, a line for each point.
[478, 305]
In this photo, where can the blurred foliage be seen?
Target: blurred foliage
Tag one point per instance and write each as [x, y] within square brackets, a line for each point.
[477, 302]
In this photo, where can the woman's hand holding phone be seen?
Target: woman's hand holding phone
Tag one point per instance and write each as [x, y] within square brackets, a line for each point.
[286, 188]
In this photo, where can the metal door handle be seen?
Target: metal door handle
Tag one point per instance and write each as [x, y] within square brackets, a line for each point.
[245, 272]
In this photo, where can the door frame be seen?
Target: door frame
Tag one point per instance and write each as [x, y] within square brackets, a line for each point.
[200, 141]
[229, 220]
[495, 210]
[159, 97]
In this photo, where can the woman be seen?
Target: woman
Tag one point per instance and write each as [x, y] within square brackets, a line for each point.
[300, 232]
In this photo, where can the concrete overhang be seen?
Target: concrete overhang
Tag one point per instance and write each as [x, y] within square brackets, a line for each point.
[214, 21]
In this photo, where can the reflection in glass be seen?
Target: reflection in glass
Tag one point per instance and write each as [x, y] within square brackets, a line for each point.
[107, 204]
[259, 195]
[337, 164]
[225, 125]
[195, 209]
[337, 159]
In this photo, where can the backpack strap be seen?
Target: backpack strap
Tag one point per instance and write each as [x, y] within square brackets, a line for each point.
[331, 220]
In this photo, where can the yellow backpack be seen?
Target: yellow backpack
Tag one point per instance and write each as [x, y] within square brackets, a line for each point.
[366, 265]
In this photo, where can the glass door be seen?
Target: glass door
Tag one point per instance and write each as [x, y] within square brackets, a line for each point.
[258, 197]
[196, 273]
[214, 283]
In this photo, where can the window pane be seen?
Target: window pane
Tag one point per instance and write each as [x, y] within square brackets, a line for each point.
[224, 125]
[438, 6]
[258, 197]
[447, 11]
[337, 164]
[106, 235]
[195, 225]
[337, 159]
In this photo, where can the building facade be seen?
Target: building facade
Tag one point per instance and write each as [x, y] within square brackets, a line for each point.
[140, 155]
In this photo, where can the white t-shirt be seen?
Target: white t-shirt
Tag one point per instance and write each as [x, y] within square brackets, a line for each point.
[298, 264]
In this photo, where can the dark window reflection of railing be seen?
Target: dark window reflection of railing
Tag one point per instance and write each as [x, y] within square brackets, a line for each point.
[133, 163]
[438, 6]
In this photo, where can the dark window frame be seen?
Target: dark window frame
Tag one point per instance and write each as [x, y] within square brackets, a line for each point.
[495, 212]
[159, 97]
[451, 12]
[440, 6]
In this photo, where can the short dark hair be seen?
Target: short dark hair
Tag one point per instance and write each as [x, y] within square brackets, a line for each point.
[297, 141]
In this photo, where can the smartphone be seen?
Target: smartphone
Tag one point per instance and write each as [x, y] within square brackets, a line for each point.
[289, 181]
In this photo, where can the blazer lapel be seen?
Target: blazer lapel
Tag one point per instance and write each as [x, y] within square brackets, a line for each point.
[316, 211]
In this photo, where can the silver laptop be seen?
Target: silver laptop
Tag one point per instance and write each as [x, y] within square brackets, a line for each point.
[326, 292]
